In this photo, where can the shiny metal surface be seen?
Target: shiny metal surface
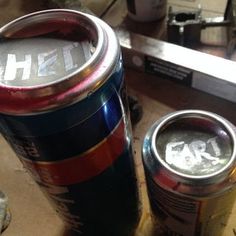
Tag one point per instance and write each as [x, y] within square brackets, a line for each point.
[189, 158]
[83, 146]
[207, 73]
[196, 145]
[193, 148]
[41, 61]
[5, 216]
[68, 86]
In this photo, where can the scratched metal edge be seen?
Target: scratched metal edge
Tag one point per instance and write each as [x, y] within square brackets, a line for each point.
[210, 74]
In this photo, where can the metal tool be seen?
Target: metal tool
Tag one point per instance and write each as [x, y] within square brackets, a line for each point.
[184, 27]
[230, 14]
[4, 212]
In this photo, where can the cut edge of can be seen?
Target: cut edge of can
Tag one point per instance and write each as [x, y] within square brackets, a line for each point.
[8, 31]
[186, 177]
[95, 71]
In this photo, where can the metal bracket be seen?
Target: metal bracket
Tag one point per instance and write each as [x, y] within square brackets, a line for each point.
[193, 69]
[184, 27]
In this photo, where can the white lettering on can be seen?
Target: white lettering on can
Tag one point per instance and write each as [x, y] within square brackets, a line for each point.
[185, 156]
[46, 63]
[12, 66]
[68, 59]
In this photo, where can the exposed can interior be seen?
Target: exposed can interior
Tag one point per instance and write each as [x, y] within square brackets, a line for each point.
[39, 81]
[49, 46]
[194, 144]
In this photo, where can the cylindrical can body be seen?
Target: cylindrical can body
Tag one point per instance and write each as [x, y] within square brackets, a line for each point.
[146, 10]
[64, 113]
[189, 162]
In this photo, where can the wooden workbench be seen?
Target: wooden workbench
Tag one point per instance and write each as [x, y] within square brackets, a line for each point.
[32, 215]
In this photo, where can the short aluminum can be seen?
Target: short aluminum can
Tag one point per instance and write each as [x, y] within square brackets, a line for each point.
[189, 159]
[63, 110]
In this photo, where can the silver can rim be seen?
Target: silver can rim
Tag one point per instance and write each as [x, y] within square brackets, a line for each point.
[102, 60]
[222, 173]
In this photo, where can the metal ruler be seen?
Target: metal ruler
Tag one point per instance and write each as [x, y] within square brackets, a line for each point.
[207, 73]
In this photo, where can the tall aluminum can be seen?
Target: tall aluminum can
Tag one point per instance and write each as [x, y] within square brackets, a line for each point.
[63, 110]
[189, 160]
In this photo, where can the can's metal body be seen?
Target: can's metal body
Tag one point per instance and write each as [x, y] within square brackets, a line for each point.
[63, 111]
[189, 161]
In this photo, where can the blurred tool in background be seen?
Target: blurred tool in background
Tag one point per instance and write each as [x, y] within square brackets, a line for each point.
[184, 27]
[5, 216]
[146, 10]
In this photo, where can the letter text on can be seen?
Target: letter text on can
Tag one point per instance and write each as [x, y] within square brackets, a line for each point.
[63, 110]
[189, 159]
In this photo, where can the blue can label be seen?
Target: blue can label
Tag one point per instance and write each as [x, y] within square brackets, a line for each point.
[83, 166]
[81, 157]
